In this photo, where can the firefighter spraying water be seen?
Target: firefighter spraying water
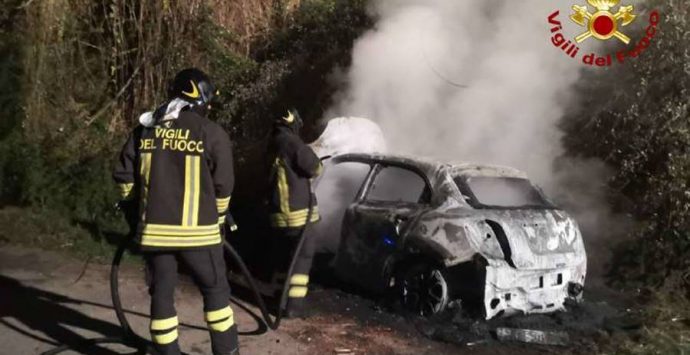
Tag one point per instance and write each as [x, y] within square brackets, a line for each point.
[294, 163]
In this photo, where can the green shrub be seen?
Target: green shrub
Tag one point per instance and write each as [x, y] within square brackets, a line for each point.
[81, 191]
[637, 119]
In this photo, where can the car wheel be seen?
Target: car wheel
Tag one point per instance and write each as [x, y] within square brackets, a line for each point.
[423, 290]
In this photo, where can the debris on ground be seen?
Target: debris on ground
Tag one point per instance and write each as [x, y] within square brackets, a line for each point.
[576, 328]
[532, 336]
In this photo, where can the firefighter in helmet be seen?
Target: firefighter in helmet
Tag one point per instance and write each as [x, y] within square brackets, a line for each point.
[293, 164]
[176, 176]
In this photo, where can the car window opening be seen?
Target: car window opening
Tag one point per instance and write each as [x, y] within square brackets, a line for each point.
[501, 192]
[399, 185]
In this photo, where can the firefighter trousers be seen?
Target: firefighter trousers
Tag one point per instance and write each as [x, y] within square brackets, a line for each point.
[284, 244]
[207, 268]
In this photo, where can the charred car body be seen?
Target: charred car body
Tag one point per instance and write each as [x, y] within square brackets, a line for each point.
[435, 233]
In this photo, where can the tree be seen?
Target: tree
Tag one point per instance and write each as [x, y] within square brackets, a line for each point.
[636, 118]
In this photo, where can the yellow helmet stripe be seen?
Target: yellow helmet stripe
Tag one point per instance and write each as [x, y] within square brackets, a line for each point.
[195, 92]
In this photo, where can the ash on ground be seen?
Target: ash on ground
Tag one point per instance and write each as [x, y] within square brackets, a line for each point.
[579, 328]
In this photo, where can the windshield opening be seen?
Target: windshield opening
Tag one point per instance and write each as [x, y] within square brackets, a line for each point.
[501, 192]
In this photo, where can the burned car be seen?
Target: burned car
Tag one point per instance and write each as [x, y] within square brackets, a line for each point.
[435, 234]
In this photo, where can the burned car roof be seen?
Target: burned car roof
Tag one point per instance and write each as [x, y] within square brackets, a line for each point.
[427, 166]
[467, 169]
[430, 167]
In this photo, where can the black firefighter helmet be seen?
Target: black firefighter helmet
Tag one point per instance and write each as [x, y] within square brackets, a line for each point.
[292, 120]
[193, 86]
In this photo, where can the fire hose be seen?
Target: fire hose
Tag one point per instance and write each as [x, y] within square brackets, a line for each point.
[130, 338]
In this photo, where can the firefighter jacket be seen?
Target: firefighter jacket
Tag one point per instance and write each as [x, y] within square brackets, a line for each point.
[181, 172]
[294, 163]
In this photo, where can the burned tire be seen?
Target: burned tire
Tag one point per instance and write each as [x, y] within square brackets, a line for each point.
[423, 289]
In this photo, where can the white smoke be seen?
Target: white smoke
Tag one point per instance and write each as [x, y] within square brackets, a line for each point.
[473, 80]
[405, 75]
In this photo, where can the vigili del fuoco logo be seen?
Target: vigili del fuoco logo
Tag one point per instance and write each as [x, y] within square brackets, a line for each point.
[603, 20]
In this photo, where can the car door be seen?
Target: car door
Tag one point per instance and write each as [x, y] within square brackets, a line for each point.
[373, 225]
[337, 188]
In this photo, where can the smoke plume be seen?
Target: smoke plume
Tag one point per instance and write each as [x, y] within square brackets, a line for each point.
[477, 80]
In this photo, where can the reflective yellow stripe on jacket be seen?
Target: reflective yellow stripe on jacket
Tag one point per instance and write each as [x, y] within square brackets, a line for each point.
[286, 218]
[294, 218]
[192, 190]
[283, 189]
[161, 235]
[222, 204]
[145, 172]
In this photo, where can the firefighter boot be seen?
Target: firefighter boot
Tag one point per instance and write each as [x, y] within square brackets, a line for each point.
[297, 308]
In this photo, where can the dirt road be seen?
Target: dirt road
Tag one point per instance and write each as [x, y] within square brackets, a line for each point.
[45, 302]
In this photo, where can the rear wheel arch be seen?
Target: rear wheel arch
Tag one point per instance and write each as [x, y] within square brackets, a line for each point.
[407, 260]
[421, 247]
[417, 250]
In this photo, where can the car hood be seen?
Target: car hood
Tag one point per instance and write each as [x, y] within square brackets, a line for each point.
[524, 238]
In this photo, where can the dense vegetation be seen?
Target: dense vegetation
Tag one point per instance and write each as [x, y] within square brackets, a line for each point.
[636, 118]
[76, 74]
